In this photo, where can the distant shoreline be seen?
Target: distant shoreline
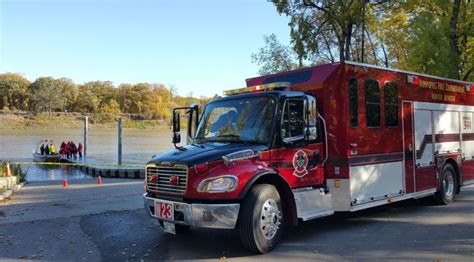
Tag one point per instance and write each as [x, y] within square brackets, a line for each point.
[57, 120]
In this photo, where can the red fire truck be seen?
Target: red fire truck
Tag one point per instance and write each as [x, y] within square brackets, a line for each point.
[304, 144]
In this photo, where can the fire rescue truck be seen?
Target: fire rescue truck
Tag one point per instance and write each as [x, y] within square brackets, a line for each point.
[304, 144]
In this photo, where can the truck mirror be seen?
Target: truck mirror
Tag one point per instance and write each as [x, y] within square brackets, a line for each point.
[192, 114]
[176, 127]
[176, 137]
[176, 121]
[307, 133]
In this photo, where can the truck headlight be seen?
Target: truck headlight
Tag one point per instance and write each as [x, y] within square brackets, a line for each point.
[226, 183]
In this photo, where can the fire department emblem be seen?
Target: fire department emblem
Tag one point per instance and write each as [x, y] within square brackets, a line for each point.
[300, 162]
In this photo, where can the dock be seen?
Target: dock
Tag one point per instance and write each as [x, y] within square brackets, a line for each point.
[96, 168]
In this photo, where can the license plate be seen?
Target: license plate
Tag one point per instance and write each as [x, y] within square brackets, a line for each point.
[164, 210]
[169, 227]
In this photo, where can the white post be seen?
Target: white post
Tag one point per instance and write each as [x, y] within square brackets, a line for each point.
[86, 133]
[120, 141]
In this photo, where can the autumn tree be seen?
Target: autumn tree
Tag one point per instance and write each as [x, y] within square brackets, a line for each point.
[69, 91]
[87, 101]
[103, 90]
[110, 111]
[46, 95]
[15, 90]
[100, 98]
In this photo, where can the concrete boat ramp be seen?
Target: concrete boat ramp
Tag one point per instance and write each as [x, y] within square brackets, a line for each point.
[95, 168]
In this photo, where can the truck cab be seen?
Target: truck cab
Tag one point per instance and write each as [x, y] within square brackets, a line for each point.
[254, 161]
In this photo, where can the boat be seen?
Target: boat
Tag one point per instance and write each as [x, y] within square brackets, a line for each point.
[38, 157]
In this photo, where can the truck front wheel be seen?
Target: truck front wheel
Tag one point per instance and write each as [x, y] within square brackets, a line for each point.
[261, 219]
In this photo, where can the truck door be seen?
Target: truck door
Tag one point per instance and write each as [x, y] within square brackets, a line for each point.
[408, 145]
[299, 153]
[418, 140]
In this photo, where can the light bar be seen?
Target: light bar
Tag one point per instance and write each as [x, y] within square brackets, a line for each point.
[470, 88]
[415, 80]
[266, 87]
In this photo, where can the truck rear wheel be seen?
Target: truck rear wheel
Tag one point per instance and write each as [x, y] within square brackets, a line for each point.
[447, 188]
[261, 219]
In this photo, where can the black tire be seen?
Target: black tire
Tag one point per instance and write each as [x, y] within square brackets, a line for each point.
[261, 219]
[179, 228]
[447, 186]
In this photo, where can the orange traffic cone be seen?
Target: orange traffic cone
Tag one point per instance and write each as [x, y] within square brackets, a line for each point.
[65, 183]
[7, 169]
[99, 180]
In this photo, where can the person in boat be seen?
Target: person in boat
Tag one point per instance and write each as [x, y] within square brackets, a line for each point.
[79, 150]
[74, 149]
[42, 149]
[61, 150]
[68, 150]
[46, 149]
[52, 149]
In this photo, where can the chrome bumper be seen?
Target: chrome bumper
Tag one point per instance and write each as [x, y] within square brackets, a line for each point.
[222, 216]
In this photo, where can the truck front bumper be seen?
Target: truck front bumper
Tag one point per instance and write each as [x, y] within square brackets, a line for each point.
[223, 216]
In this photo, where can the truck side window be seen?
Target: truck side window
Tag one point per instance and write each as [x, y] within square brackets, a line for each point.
[313, 119]
[353, 103]
[372, 103]
[293, 126]
[391, 104]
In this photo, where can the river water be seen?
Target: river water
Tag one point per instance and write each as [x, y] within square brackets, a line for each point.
[138, 146]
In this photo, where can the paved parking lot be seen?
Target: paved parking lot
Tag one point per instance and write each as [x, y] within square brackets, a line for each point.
[91, 222]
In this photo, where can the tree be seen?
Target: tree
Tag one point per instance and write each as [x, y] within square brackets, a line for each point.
[434, 37]
[103, 90]
[69, 91]
[15, 88]
[389, 24]
[46, 95]
[316, 24]
[441, 38]
[165, 102]
[275, 57]
[110, 111]
[87, 101]
[453, 39]
[173, 90]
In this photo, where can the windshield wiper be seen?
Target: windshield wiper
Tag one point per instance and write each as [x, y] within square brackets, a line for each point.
[228, 135]
[236, 138]
[198, 145]
[254, 142]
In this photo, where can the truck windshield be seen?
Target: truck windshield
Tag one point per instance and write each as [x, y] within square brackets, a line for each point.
[245, 120]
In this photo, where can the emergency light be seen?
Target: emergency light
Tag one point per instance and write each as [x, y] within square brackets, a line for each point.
[266, 87]
[470, 88]
[415, 80]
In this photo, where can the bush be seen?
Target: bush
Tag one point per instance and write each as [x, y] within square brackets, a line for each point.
[15, 170]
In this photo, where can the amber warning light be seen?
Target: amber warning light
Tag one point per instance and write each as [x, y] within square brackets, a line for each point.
[265, 87]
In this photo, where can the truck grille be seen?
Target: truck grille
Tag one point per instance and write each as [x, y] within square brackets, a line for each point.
[166, 175]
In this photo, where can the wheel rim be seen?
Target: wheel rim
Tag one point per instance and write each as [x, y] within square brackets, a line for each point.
[448, 184]
[270, 219]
